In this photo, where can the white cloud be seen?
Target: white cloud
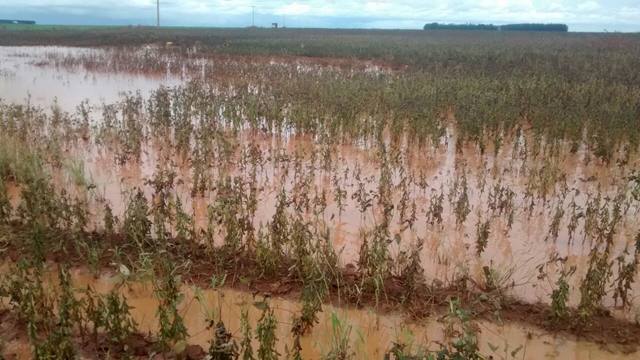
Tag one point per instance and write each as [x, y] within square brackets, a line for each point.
[586, 15]
[294, 9]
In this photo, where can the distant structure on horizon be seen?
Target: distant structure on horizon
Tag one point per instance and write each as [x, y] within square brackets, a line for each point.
[22, 22]
[491, 27]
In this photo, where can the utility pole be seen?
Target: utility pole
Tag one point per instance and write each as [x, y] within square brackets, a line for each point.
[158, 13]
[253, 16]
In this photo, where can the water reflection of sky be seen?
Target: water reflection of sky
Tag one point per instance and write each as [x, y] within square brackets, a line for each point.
[23, 76]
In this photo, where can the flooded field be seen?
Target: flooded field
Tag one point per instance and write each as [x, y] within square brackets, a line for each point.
[26, 77]
[367, 330]
[276, 186]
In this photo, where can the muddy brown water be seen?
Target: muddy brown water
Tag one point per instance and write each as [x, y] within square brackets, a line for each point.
[448, 250]
[371, 334]
[23, 78]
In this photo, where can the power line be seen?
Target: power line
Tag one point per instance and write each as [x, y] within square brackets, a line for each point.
[253, 16]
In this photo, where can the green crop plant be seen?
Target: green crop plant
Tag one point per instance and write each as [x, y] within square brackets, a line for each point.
[136, 224]
[560, 294]
[172, 330]
[94, 317]
[462, 332]
[116, 318]
[374, 260]
[60, 341]
[593, 286]
[340, 339]
[266, 333]
[246, 348]
[184, 223]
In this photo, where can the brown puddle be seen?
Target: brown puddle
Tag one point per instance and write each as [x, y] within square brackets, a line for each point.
[371, 334]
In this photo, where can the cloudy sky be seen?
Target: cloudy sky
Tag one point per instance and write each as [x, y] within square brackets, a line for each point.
[610, 15]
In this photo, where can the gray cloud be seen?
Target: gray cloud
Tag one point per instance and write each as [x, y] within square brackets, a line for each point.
[591, 15]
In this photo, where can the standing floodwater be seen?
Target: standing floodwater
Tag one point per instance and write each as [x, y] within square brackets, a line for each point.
[210, 200]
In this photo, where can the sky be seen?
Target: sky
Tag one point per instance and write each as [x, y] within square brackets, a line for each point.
[590, 15]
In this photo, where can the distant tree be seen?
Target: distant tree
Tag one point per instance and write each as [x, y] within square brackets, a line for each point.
[491, 27]
[535, 27]
[438, 26]
[21, 22]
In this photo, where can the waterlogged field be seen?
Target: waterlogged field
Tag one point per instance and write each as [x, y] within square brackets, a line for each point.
[263, 195]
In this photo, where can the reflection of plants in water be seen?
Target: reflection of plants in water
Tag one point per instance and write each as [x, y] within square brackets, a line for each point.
[635, 185]
[483, 229]
[501, 202]
[340, 195]
[222, 346]
[461, 206]
[626, 273]
[362, 197]
[109, 220]
[434, 214]
[554, 227]
[576, 215]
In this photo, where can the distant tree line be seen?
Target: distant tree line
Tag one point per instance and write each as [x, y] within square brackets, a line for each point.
[491, 27]
[437, 26]
[534, 27]
[23, 22]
